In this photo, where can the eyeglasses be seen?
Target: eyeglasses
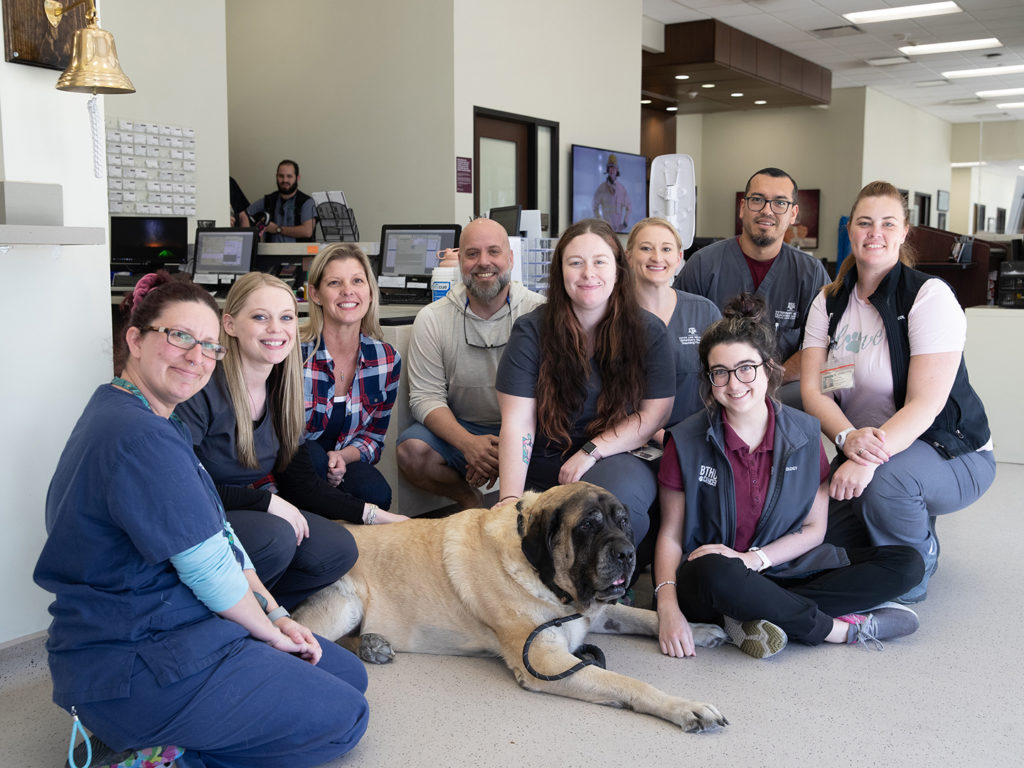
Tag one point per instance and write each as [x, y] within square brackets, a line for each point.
[757, 203]
[184, 340]
[481, 344]
[744, 374]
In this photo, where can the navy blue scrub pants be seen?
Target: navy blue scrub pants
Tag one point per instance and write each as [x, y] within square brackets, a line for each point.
[255, 708]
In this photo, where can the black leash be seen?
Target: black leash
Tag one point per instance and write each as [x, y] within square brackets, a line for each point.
[587, 649]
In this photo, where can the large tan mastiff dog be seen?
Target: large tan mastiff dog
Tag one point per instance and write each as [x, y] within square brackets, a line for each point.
[482, 582]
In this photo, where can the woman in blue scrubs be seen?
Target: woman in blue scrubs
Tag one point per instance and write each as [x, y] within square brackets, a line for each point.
[162, 634]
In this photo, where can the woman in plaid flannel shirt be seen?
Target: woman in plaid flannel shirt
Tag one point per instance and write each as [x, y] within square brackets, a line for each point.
[350, 377]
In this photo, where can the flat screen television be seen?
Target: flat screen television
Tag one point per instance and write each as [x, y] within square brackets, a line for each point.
[619, 197]
[509, 217]
[145, 243]
[224, 250]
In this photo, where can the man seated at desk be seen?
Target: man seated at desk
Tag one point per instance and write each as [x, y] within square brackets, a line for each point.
[456, 344]
[291, 213]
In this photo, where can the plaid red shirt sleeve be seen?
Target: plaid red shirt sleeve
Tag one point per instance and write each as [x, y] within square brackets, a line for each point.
[370, 400]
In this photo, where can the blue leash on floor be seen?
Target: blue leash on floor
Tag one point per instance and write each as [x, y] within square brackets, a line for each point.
[76, 727]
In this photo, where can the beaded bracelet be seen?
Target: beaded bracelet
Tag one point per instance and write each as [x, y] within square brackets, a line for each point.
[662, 585]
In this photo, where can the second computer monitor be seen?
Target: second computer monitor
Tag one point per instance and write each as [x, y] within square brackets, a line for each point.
[509, 217]
[224, 250]
[412, 250]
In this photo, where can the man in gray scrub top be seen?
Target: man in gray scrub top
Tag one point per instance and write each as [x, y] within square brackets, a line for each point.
[758, 261]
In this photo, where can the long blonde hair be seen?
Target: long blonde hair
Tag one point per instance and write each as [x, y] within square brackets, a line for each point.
[313, 329]
[284, 397]
[908, 255]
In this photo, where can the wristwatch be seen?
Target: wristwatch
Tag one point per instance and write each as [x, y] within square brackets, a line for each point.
[841, 437]
[591, 450]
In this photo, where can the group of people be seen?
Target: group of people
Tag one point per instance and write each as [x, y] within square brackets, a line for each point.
[192, 505]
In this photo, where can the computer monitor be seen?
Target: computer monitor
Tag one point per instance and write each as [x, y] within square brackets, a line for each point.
[509, 217]
[224, 251]
[411, 250]
[145, 243]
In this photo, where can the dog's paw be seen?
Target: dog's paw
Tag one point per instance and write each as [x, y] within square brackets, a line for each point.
[696, 717]
[708, 635]
[375, 649]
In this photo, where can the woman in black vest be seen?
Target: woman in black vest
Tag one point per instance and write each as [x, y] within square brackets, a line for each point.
[744, 505]
[883, 371]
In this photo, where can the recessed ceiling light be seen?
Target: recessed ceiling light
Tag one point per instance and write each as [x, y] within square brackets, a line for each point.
[1011, 105]
[760, 102]
[951, 47]
[682, 77]
[904, 12]
[707, 85]
[887, 61]
[1000, 92]
[972, 164]
[957, 74]
[671, 109]
[736, 94]
[931, 83]
[645, 101]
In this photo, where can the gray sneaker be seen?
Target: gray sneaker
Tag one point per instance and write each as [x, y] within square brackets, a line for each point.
[931, 564]
[758, 638]
[886, 622]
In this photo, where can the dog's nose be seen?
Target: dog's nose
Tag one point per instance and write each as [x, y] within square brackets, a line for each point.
[625, 553]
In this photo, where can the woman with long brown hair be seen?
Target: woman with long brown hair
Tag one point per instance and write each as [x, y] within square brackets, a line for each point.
[585, 379]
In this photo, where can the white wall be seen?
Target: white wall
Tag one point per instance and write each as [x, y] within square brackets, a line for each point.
[820, 148]
[906, 147]
[54, 305]
[175, 57]
[62, 294]
[548, 60]
[360, 94]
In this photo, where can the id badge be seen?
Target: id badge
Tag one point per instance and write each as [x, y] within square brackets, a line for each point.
[840, 376]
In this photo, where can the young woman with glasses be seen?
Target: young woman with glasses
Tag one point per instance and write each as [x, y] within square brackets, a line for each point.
[744, 499]
[162, 633]
[883, 369]
[350, 377]
[585, 379]
[247, 427]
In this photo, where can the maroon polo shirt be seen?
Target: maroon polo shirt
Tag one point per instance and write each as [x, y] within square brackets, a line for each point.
[751, 471]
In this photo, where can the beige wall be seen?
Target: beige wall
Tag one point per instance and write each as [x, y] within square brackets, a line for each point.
[906, 147]
[360, 94]
[820, 148]
[176, 61]
[505, 60]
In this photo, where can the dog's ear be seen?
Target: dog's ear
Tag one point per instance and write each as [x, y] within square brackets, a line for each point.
[539, 530]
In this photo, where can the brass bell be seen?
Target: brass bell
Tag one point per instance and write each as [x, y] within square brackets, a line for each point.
[94, 67]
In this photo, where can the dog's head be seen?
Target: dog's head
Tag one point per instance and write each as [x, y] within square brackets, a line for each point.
[580, 540]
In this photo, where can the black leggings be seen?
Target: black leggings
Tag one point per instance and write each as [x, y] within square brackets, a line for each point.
[713, 586]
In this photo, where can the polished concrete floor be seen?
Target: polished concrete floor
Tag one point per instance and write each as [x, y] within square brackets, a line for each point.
[952, 694]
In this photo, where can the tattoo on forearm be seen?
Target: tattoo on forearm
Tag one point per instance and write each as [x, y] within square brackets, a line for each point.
[527, 447]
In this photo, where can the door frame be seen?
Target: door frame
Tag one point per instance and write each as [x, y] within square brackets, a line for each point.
[532, 180]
